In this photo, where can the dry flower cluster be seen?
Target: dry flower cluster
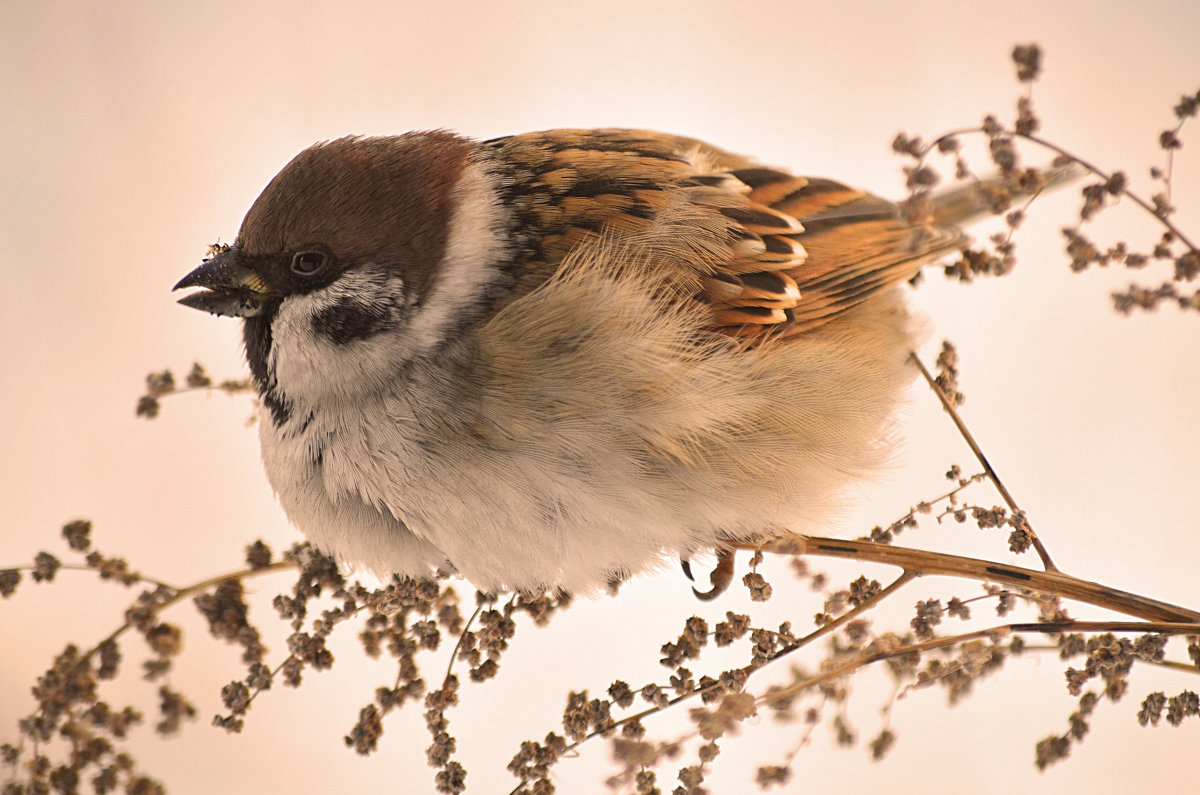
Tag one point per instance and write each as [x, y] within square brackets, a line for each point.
[72, 741]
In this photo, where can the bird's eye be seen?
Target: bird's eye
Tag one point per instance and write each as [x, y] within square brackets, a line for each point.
[306, 263]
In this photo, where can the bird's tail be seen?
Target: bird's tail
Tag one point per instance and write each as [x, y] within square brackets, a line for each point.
[962, 206]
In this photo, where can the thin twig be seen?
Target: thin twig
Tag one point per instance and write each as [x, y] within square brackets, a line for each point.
[1099, 172]
[183, 593]
[127, 579]
[1042, 552]
[204, 585]
[992, 633]
[179, 595]
[904, 579]
[458, 645]
[922, 562]
[837, 623]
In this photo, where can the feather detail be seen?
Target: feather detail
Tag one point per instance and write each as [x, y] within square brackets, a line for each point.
[555, 358]
[794, 252]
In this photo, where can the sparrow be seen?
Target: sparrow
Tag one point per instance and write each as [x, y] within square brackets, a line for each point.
[556, 359]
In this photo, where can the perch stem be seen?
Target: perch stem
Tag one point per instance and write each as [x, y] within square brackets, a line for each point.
[923, 562]
[963, 431]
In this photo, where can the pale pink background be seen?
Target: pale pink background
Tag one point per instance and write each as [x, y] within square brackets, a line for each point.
[137, 133]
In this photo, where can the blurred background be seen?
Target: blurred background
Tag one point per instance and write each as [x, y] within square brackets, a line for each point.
[136, 133]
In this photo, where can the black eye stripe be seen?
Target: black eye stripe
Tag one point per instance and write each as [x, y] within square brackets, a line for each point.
[355, 317]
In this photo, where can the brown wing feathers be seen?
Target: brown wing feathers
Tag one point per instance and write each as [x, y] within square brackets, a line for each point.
[851, 245]
[804, 249]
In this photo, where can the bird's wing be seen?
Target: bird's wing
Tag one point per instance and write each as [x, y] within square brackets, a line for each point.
[850, 245]
[791, 252]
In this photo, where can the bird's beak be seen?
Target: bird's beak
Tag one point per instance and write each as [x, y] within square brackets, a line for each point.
[231, 288]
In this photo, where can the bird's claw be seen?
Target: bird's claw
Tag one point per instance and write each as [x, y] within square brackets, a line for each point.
[720, 577]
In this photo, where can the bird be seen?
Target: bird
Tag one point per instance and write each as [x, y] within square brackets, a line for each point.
[553, 360]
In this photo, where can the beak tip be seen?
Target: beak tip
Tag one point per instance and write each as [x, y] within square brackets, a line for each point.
[220, 304]
[196, 300]
[220, 269]
[229, 287]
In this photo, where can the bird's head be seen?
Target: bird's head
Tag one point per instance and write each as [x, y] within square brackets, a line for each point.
[361, 253]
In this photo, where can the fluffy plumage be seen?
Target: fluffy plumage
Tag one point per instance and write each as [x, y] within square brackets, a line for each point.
[555, 358]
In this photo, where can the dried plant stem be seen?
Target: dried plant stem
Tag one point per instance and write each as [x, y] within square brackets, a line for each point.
[963, 431]
[458, 645]
[834, 625]
[245, 574]
[991, 633]
[183, 593]
[134, 577]
[1177, 621]
[1172, 665]
[177, 596]
[1058, 150]
[845, 618]
[1138, 200]
[921, 562]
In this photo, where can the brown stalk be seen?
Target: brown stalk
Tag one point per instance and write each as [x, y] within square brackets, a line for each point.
[922, 562]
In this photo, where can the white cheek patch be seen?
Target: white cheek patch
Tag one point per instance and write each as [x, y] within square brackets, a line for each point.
[337, 341]
[313, 359]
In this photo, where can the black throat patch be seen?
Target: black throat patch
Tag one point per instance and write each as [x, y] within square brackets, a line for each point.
[256, 334]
